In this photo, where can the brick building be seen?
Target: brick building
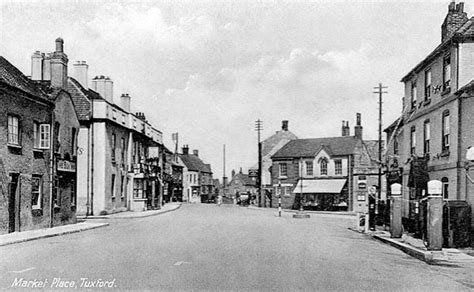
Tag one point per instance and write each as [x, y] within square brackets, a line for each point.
[242, 184]
[432, 136]
[38, 134]
[331, 173]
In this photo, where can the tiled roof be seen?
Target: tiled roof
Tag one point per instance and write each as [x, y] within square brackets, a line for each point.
[194, 163]
[338, 146]
[271, 142]
[80, 98]
[373, 149]
[11, 76]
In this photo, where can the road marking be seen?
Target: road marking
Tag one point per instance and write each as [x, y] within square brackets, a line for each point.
[22, 271]
[181, 263]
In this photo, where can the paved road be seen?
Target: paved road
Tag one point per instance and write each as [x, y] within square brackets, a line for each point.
[206, 247]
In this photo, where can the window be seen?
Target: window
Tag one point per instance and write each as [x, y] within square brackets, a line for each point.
[445, 187]
[309, 168]
[36, 192]
[338, 167]
[427, 84]
[138, 188]
[445, 131]
[413, 140]
[114, 114]
[122, 187]
[113, 186]
[426, 136]
[323, 166]
[13, 130]
[413, 95]
[41, 136]
[113, 147]
[122, 149]
[447, 73]
[283, 169]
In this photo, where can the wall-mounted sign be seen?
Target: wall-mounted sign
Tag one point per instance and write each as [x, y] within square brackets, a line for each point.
[65, 165]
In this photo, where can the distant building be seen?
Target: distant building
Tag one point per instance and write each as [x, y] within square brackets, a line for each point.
[430, 140]
[198, 185]
[242, 184]
[331, 173]
[269, 147]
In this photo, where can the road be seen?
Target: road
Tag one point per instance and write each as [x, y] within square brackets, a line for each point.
[207, 247]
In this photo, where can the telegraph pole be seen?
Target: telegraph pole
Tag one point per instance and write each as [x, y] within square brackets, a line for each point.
[258, 128]
[224, 178]
[380, 91]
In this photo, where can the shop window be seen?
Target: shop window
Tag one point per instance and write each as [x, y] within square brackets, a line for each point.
[138, 188]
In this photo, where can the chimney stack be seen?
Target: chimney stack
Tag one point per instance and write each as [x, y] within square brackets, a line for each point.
[104, 86]
[125, 102]
[455, 18]
[185, 149]
[196, 152]
[284, 125]
[346, 131]
[59, 65]
[81, 73]
[37, 66]
[358, 127]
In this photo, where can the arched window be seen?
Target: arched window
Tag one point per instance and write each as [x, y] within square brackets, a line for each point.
[445, 187]
[323, 166]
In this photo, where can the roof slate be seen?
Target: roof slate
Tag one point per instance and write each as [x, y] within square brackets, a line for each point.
[338, 146]
[80, 98]
[194, 163]
[10, 75]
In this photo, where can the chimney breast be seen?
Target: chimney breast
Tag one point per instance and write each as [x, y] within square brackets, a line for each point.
[455, 18]
[81, 73]
[284, 125]
[59, 65]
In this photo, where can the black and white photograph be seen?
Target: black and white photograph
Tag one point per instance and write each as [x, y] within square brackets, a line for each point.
[236, 145]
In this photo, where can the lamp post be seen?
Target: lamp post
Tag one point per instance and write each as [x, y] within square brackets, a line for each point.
[301, 214]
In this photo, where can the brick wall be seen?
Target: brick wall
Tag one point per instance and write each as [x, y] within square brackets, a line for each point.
[24, 160]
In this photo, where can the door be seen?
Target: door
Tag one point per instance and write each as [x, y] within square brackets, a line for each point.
[13, 200]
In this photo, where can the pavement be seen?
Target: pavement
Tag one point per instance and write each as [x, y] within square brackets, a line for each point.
[17, 237]
[416, 248]
[130, 214]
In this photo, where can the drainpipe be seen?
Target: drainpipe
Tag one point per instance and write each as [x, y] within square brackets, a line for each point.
[51, 170]
[92, 160]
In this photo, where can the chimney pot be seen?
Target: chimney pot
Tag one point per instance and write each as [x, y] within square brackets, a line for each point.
[59, 45]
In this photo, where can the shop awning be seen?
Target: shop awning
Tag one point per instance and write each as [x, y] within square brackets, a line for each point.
[320, 186]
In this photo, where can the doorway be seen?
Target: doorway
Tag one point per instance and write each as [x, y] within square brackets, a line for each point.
[13, 201]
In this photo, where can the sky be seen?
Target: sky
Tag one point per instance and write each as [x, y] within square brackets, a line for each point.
[209, 69]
